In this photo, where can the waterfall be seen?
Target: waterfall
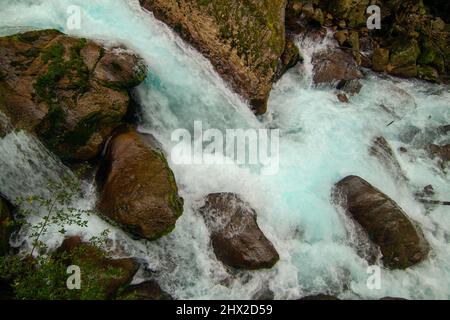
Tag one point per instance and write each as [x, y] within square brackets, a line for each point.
[322, 141]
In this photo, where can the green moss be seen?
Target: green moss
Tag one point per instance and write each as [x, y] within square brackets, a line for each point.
[51, 128]
[32, 53]
[84, 130]
[75, 69]
[254, 29]
[175, 201]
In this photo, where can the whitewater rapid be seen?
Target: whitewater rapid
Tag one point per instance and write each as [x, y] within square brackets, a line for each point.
[322, 141]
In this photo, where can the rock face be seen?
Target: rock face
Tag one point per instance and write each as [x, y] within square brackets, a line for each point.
[334, 66]
[414, 40]
[244, 40]
[236, 238]
[6, 226]
[111, 275]
[70, 92]
[138, 190]
[400, 242]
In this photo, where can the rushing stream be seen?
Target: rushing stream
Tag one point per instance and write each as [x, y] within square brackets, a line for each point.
[322, 141]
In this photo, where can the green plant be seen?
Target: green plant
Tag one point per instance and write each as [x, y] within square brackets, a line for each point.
[39, 274]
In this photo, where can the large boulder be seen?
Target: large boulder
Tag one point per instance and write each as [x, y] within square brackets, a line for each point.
[138, 189]
[70, 92]
[244, 40]
[401, 243]
[6, 226]
[98, 271]
[236, 238]
[334, 66]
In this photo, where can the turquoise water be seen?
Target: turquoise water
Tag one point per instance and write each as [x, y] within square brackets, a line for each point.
[322, 141]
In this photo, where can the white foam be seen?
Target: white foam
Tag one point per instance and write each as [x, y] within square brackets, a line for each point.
[322, 141]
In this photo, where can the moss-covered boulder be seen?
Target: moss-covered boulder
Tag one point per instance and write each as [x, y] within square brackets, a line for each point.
[403, 58]
[6, 226]
[244, 40]
[353, 11]
[102, 277]
[400, 241]
[70, 92]
[138, 189]
[380, 59]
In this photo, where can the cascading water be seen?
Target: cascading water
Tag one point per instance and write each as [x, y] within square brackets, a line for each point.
[322, 141]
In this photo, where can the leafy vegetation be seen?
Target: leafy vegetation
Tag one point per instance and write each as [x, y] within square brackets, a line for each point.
[37, 274]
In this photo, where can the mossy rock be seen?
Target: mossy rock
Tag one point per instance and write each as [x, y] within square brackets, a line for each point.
[138, 189]
[70, 92]
[353, 11]
[404, 53]
[428, 73]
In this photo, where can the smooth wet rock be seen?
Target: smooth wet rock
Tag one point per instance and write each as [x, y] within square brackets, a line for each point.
[148, 290]
[108, 274]
[264, 294]
[400, 241]
[352, 87]
[342, 97]
[236, 238]
[138, 189]
[70, 92]
[382, 150]
[331, 67]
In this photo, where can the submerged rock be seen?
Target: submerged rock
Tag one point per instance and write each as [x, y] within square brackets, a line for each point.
[138, 189]
[333, 66]
[442, 152]
[401, 242]
[148, 290]
[109, 274]
[70, 92]
[382, 150]
[6, 226]
[244, 40]
[236, 238]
